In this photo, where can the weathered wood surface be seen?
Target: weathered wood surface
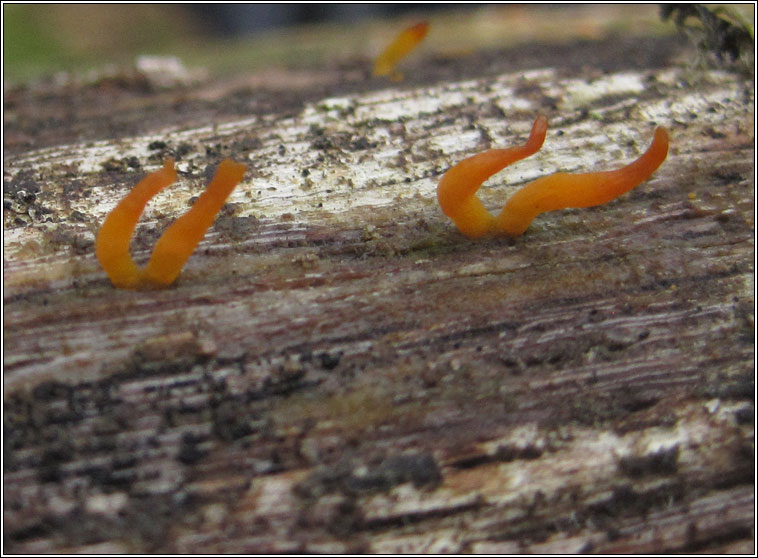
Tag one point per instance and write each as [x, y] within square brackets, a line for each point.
[337, 369]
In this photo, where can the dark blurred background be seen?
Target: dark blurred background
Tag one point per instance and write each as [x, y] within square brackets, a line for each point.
[247, 19]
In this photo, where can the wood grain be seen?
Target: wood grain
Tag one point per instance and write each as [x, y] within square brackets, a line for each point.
[338, 370]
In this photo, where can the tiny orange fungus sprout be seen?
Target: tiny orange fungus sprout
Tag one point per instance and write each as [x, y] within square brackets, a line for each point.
[404, 43]
[457, 189]
[176, 244]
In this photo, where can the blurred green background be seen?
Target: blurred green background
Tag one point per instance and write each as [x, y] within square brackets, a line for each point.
[45, 38]
[40, 39]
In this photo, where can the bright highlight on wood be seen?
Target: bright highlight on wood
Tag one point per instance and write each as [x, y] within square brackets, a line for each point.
[457, 189]
[176, 244]
[404, 43]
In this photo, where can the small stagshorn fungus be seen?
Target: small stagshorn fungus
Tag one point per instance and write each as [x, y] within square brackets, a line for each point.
[457, 189]
[404, 43]
[176, 244]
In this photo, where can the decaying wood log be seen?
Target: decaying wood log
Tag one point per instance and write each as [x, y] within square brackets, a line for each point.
[337, 369]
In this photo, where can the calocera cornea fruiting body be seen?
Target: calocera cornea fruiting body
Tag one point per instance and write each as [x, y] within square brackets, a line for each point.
[176, 244]
[400, 47]
[457, 188]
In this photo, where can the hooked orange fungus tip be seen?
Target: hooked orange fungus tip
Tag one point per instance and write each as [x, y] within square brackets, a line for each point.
[457, 189]
[404, 43]
[176, 244]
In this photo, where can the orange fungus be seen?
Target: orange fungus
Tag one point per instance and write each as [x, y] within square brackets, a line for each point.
[404, 43]
[456, 191]
[176, 244]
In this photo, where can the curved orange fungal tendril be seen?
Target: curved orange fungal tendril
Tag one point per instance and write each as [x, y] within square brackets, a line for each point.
[458, 186]
[557, 191]
[563, 190]
[112, 244]
[176, 244]
[404, 43]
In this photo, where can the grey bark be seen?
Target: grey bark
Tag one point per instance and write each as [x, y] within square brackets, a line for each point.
[339, 370]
